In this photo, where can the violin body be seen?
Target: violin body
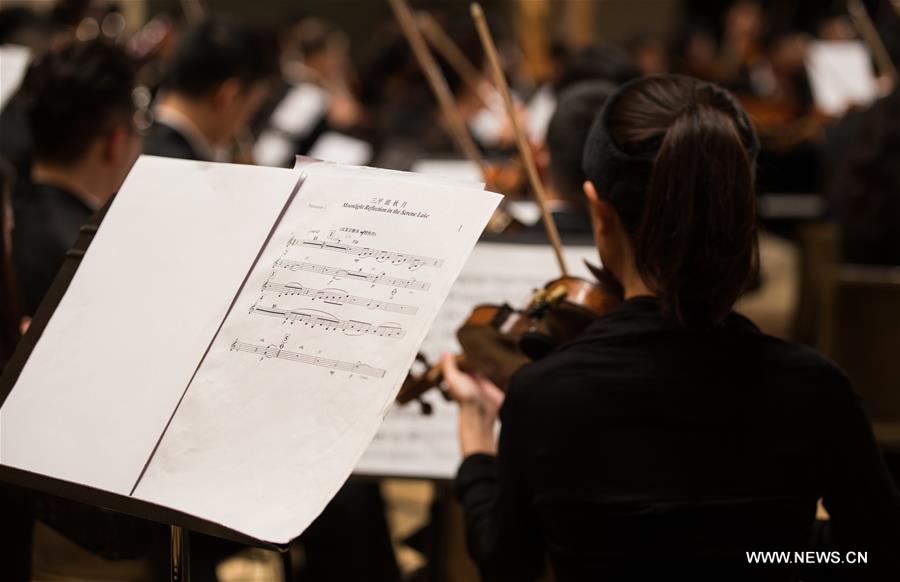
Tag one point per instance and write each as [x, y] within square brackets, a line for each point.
[561, 311]
[497, 340]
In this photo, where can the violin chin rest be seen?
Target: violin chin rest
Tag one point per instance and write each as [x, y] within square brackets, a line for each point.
[535, 344]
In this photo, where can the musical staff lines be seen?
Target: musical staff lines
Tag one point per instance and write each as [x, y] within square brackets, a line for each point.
[273, 351]
[331, 323]
[337, 297]
[381, 256]
[338, 273]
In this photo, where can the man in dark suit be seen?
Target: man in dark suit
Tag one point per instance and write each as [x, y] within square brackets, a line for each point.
[218, 78]
[80, 116]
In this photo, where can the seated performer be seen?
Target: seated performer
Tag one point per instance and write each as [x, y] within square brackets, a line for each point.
[81, 119]
[216, 81]
[568, 130]
[865, 183]
[673, 438]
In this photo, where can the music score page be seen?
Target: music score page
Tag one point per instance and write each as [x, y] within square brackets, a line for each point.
[314, 349]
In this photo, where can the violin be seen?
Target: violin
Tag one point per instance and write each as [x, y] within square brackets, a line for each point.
[497, 340]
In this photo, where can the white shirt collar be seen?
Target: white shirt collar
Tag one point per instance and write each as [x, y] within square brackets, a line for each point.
[182, 124]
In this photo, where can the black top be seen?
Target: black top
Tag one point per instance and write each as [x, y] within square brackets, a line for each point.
[643, 447]
[47, 221]
[166, 141]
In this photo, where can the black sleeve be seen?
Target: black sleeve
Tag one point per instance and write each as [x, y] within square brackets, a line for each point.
[860, 495]
[502, 531]
[37, 263]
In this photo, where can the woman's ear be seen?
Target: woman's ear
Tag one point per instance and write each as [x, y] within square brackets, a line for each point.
[596, 206]
[603, 214]
[590, 192]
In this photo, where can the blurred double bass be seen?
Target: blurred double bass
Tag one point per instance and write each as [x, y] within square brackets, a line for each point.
[497, 340]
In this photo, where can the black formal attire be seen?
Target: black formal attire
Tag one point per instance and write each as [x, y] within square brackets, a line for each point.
[164, 140]
[47, 221]
[15, 135]
[647, 450]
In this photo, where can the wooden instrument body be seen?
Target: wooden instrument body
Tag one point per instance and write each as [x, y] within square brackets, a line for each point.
[497, 340]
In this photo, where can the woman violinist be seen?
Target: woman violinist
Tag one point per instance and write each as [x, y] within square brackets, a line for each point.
[673, 436]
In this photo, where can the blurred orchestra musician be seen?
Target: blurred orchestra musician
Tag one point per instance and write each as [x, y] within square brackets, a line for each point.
[576, 107]
[318, 52]
[218, 78]
[673, 435]
[864, 186]
[598, 61]
[317, 94]
[81, 120]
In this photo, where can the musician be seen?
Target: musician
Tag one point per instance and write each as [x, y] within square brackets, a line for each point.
[567, 132]
[217, 80]
[865, 183]
[80, 115]
[81, 118]
[673, 436]
[599, 61]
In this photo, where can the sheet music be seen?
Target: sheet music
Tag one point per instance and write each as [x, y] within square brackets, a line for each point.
[14, 62]
[315, 348]
[464, 170]
[316, 166]
[146, 301]
[541, 108]
[409, 444]
[841, 75]
[338, 147]
[303, 106]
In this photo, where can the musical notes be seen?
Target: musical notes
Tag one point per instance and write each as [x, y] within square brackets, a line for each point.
[273, 351]
[381, 256]
[312, 318]
[338, 273]
[336, 297]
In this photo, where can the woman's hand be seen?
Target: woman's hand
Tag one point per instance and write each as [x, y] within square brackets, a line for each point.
[479, 402]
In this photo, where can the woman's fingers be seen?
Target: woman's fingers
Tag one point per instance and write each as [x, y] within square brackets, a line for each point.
[462, 387]
[490, 392]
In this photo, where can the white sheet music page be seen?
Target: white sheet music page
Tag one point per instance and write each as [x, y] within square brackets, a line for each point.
[147, 299]
[314, 350]
[841, 75]
[410, 444]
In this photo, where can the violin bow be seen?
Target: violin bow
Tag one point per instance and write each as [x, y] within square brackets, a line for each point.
[456, 123]
[438, 38]
[525, 153]
[866, 28]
